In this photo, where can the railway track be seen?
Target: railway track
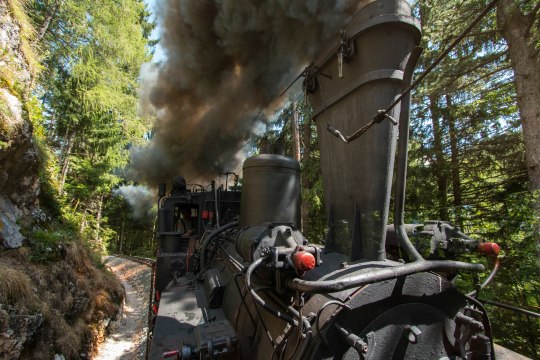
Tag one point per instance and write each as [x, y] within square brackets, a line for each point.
[138, 259]
[152, 264]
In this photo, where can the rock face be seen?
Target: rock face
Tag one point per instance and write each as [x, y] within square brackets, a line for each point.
[57, 309]
[16, 330]
[19, 161]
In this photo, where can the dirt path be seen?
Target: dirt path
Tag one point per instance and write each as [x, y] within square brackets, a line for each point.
[127, 341]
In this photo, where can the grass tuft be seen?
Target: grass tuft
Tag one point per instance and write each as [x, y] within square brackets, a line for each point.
[14, 285]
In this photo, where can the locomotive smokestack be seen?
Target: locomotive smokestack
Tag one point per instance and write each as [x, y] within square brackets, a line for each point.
[362, 69]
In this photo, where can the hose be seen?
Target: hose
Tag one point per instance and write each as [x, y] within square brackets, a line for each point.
[329, 286]
[492, 274]
[487, 323]
[210, 237]
[305, 322]
[258, 299]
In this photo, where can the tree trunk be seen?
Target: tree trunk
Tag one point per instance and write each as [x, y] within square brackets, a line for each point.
[454, 161]
[65, 160]
[295, 133]
[47, 21]
[122, 235]
[98, 220]
[515, 27]
[440, 163]
[306, 182]
[82, 225]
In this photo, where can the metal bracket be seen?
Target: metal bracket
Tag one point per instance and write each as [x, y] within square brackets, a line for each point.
[345, 51]
[310, 83]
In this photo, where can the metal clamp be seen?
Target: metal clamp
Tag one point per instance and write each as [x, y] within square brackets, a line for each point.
[310, 82]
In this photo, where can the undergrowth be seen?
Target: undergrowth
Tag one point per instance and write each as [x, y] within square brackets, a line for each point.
[71, 295]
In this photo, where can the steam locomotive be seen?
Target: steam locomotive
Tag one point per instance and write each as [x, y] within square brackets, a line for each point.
[235, 277]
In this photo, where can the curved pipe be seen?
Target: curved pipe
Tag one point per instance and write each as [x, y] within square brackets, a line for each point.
[401, 171]
[318, 316]
[486, 322]
[210, 237]
[323, 286]
[496, 266]
[259, 300]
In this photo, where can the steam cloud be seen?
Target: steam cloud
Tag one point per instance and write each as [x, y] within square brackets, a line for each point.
[140, 199]
[226, 63]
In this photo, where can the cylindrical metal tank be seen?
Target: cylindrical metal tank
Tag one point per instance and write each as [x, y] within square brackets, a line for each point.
[270, 191]
[357, 177]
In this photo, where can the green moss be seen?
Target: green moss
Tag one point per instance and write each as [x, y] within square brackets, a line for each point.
[27, 31]
[8, 76]
[5, 115]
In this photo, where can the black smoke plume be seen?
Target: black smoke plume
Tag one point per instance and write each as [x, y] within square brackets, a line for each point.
[226, 63]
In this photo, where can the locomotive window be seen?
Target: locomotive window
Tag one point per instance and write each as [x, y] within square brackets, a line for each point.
[186, 219]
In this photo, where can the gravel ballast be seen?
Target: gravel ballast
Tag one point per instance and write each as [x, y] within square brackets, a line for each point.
[127, 337]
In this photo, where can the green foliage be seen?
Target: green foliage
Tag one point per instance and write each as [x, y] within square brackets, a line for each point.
[87, 119]
[132, 235]
[467, 160]
[48, 167]
[47, 245]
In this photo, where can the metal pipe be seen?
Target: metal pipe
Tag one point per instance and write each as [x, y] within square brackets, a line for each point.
[496, 266]
[210, 237]
[309, 332]
[259, 300]
[324, 286]
[510, 307]
[318, 316]
[401, 171]
[486, 322]
[216, 201]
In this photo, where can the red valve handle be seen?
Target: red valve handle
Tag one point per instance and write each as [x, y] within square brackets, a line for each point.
[169, 354]
[489, 248]
[303, 261]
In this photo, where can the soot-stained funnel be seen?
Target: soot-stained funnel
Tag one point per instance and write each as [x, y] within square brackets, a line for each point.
[357, 176]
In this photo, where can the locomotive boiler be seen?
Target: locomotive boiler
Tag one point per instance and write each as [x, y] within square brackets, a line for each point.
[236, 278]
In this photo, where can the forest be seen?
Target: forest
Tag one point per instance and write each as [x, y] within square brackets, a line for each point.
[474, 153]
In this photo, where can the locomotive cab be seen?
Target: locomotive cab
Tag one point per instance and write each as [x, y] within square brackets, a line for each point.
[183, 217]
